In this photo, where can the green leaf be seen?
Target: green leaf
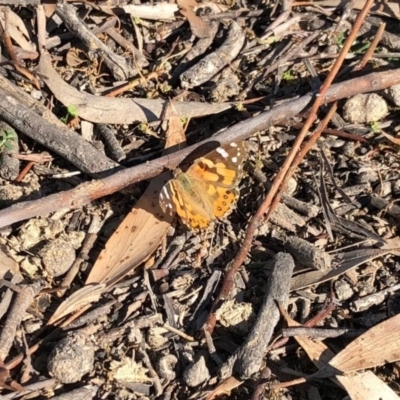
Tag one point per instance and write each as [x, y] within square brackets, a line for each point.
[72, 110]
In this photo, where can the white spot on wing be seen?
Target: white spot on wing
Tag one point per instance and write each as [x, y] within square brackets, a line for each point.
[222, 152]
[233, 145]
[164, 193]
[234, 159]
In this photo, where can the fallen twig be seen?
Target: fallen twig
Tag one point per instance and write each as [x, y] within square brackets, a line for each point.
[87, 192]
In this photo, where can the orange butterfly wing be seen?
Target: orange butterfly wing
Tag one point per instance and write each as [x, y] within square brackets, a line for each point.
[208, 189]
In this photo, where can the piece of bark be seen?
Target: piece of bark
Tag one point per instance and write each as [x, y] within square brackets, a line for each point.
[307, 254]
[28, 101]
[118, 65]
[214, 62]
[374, 299]
[286, 218]
[309, 210]
[61, 140]
[114, 148]
[248, 358]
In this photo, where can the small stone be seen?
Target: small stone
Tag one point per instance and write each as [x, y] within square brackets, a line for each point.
[365, 108]
[57, 256]
[196, 373]
[36, 94]
[393, 94]
[343, 290]
[166, 367]
[71, 358]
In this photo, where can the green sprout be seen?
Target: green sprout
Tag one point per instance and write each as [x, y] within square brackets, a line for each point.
[340, 38]
[72, 112]
[239, 106]
[6, 139]
[362, 48]
[375, 127]
[288, 75]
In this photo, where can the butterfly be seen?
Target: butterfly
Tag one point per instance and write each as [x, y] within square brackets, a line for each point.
[208, 189]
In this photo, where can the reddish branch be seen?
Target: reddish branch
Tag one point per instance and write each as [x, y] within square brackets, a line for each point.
[271, 202]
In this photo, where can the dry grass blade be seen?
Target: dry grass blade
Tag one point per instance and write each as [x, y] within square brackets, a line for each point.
[142, 230]
[391, 138]
[81, 298]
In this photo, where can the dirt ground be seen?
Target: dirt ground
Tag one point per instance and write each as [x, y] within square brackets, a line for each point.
[199, 200]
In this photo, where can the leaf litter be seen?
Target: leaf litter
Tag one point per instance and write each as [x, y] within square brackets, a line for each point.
[148, 309]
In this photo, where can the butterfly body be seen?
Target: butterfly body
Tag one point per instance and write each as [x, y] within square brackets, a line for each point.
[208, 189]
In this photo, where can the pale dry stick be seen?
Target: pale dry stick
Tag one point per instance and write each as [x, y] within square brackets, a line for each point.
[229, 281]
[178, 332]
[368, 54]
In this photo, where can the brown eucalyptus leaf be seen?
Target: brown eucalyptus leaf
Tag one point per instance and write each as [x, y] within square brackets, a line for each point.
[378, 346]
[359, 386]
[142, 230]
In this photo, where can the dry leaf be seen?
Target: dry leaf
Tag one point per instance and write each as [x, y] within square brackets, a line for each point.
[198, 26]
[142, 230]
[378, 346]
[225, 387]
[345, 261]
[391, 138]
[360, 386]
[6, 381]
[75, 57]
[81, 298]
[49, 9]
